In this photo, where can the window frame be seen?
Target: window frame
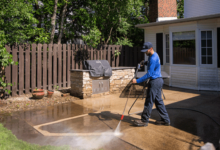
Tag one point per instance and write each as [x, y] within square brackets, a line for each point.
[200, 47]
[171, 46]
[165, 36]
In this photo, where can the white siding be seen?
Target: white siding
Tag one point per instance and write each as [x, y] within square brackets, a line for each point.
[184, 77]
[211, 23]
[208, 79]
[166, 68]
[150, 35]
[194, 8]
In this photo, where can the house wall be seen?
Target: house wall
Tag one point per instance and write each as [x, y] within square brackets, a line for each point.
[194, 8]
[208, 74]
[208, 79]
[184, 77]
[199, 76]
[166, 68]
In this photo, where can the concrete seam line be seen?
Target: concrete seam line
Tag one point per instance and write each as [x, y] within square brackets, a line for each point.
[60, 120]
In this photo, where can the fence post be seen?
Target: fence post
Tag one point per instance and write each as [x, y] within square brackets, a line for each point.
[21, 69]
[89, 52]
[27, 69]
[33, 67]
[75, 50]
[14, 71]
[92, 54]
[59, 64]
[50, 67]
[109, 54]
[122, 56]
[55, 65]
[74, 64]
[39, 66]
[113, 55]
[45, 66]
[81, 55]
[68, 65]
[118, 47]
[95, 53]
[8, 70]
[64, 65]
[104, 51]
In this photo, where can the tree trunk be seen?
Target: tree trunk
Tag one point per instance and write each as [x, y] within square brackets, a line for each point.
[61, 25]
[53, 22]
[109, 36]
[38, 16]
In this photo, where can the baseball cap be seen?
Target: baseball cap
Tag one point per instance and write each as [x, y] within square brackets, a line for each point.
[147, 45]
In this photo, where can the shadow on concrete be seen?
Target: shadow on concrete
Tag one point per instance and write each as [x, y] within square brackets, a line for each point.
[185, 114]
[136, 89]
[107, 115]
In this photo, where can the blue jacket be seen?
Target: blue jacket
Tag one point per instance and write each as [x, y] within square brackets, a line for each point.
[153, 68]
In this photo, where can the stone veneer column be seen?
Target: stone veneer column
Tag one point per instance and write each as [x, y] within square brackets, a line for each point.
[120, 79]
[76, 78]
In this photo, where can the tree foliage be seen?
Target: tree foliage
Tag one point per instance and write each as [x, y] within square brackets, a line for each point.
[180, 8]
[115, 20]
[17, 21]
[16, 26]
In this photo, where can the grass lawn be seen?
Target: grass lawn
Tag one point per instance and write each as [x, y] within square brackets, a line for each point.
[8, 141]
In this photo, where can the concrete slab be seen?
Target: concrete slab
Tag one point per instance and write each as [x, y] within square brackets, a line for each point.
[90, 123]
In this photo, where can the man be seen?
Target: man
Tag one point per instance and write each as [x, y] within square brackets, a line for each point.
[154, 89]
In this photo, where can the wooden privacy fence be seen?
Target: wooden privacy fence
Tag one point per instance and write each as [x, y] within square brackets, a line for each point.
[48, 66]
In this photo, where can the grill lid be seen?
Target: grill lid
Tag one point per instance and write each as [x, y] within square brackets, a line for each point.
[98, 68]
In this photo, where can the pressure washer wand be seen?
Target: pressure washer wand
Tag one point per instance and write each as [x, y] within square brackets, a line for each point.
[135, 75]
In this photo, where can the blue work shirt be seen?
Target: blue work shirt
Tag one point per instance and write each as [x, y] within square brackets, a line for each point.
[153, 68]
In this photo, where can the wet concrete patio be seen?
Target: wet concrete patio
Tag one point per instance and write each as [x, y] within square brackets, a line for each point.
[90, 123]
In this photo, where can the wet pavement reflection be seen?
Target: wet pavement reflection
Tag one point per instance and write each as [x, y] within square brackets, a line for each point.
[94, 119]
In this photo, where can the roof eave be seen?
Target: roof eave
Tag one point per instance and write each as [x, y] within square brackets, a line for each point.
[142, 26]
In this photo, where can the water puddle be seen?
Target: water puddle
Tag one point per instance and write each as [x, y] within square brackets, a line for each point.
[84, 121]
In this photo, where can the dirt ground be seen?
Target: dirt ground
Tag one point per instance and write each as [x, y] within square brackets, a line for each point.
[26, 102]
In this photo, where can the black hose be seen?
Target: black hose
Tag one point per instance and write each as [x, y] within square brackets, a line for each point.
[198, 112]
[166, 108]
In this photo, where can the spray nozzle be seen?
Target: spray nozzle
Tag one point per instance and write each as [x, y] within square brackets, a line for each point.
[122, 116]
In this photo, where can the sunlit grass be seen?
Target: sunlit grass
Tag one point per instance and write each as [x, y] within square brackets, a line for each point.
[8, 141]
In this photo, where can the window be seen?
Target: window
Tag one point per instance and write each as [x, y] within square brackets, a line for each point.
[167, 49]
[206, 47]
[184, 48]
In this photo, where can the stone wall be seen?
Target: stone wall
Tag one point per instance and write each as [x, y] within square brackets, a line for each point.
[120, 79]
[81, 82]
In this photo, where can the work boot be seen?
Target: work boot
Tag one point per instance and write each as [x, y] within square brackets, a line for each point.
[140, 123]
[161, 122]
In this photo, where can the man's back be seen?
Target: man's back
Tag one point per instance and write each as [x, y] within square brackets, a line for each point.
[156, 69]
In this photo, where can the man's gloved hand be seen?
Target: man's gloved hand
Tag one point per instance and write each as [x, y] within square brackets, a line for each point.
[142, 63]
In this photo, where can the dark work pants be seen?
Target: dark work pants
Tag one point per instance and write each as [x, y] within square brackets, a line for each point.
[154, 96]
